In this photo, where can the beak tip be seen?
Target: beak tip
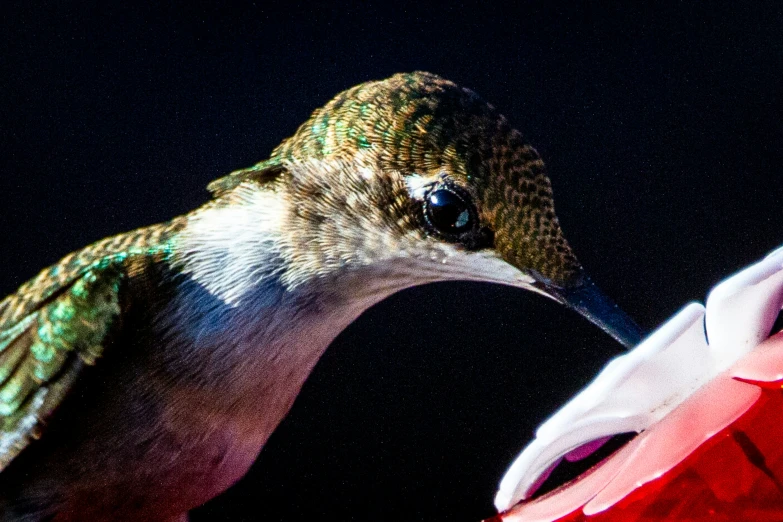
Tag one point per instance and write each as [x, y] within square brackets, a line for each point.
[590, 302]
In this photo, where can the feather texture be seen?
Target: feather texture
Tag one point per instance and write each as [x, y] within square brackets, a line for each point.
[57, 324]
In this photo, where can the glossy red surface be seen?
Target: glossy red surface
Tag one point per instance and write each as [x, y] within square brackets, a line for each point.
[737, 475]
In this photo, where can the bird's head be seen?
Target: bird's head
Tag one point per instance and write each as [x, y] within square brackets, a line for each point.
[411, 180]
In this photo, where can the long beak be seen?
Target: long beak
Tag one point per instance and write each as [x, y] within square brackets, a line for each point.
[590, 302]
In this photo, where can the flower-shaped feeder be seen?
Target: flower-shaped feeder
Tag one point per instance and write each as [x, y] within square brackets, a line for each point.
[703, 392]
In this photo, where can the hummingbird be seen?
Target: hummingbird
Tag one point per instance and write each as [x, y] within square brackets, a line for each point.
[142, 375]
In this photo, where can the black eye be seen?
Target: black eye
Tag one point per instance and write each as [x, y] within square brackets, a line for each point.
[449, 212]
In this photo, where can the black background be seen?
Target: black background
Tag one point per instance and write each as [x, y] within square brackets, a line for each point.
[663, 134]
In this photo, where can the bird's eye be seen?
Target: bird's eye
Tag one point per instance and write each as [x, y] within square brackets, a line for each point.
[449, 212]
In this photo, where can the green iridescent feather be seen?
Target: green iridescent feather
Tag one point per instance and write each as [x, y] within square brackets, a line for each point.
[57, 324]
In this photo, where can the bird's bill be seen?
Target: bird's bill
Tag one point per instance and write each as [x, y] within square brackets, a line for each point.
[584, 296]
[595, 306]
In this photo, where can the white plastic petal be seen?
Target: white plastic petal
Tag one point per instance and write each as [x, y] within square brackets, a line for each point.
[742, 309]
[625, 397]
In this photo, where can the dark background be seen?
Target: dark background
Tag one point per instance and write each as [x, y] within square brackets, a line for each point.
[661, 128]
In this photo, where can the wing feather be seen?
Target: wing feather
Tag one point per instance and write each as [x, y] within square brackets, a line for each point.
[44, 352]
[58, 323]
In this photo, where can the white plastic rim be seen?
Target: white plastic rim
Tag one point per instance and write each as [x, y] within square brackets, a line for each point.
[646, 388]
